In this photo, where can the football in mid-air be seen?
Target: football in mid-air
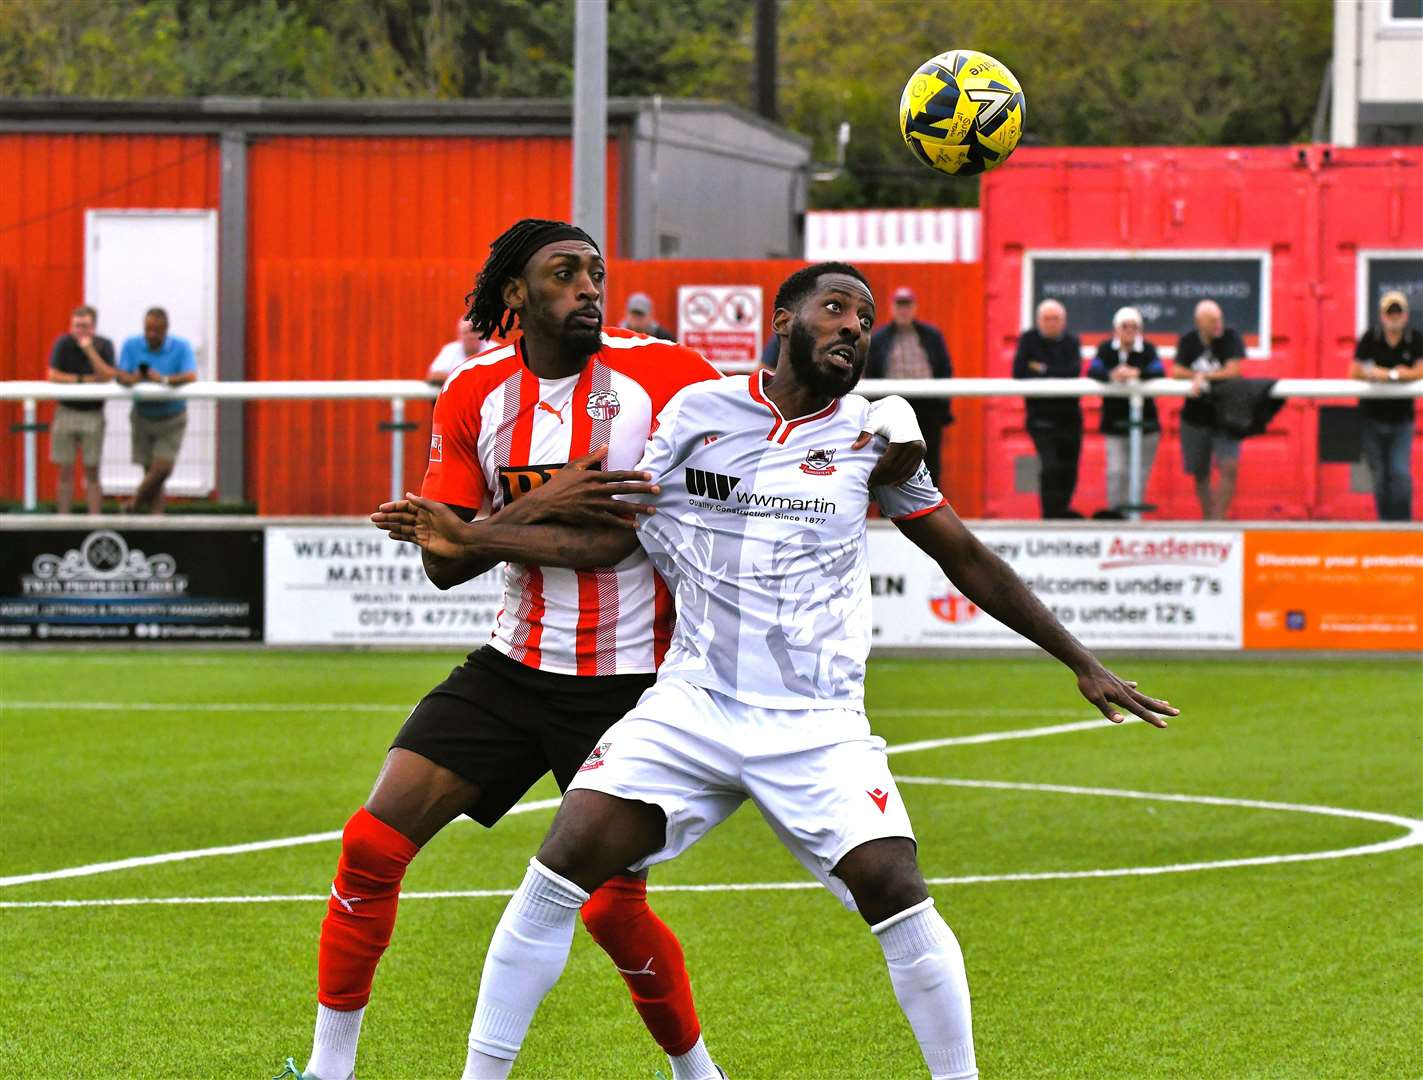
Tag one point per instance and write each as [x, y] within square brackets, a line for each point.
[962, 112]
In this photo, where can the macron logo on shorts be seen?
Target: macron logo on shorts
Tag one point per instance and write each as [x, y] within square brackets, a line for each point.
[879, 797]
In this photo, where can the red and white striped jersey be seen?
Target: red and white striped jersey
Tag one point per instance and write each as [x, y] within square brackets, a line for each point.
[500, 432]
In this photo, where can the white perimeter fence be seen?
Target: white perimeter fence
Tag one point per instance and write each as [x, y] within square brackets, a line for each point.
[398, 391]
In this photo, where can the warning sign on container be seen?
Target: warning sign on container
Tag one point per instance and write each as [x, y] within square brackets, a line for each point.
[722, 322]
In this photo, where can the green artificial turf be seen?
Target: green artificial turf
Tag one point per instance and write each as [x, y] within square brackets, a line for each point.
[1308, 969]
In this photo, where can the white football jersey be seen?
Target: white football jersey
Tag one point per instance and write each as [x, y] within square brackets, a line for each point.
[760, 532]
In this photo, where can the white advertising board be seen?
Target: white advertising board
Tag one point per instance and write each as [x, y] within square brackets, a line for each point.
[348, 585]
[722, 322]
[1111, 588]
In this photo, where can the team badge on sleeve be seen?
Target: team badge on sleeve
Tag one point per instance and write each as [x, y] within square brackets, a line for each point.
[437, 448]
[595, 759]
[817, 462]
[603, 404]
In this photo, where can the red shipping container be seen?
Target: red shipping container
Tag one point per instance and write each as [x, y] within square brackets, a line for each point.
[1306, 212]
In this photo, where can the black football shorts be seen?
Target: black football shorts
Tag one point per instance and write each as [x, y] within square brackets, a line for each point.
[502, 725]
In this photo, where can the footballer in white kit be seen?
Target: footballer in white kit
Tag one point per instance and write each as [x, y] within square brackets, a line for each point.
[761, 487]
[760, 532]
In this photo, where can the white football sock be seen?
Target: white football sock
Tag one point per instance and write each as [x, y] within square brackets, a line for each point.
[525, 958]
[695, 1064]
[926, 968]
[333, 1048]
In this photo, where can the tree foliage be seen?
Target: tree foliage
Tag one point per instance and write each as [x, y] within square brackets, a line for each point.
[1095, 72]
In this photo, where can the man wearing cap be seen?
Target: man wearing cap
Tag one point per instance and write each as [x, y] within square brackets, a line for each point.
[639, 318]
[1048, 351]
[1391, 352]
[906, 348]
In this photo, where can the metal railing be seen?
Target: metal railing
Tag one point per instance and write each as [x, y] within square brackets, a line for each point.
[399, 391]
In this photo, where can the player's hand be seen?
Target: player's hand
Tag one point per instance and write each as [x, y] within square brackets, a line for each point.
[893, 419]
[1112, 694]
[438, 529]
[397, 519]
[581, 493]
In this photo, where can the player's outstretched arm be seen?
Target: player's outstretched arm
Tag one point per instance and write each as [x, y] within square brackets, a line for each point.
[445, 539]
[990, 583]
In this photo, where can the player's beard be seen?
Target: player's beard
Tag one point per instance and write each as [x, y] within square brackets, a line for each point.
[821, 381]
[578, 339]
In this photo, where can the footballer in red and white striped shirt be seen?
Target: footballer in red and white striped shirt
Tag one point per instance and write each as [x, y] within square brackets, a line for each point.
[573, 650]
[501, 432]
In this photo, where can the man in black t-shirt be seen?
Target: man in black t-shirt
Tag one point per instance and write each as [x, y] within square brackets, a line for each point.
[1206, 355]
[80, 356]
[1048, 351]
[1391, 352]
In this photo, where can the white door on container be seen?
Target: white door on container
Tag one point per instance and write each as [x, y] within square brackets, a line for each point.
[140, 259]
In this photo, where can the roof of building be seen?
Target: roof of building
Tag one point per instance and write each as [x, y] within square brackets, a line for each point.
[490, 116]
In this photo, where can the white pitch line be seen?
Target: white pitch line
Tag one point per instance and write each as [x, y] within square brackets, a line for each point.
[999, 736]
[522, 808]
[206, 853]
[1412, 837]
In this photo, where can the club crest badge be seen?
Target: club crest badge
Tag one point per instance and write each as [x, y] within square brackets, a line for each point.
[596, 758]
[603, 404]
[817, 462]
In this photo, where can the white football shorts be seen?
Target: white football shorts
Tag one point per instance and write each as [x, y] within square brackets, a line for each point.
[818, 776]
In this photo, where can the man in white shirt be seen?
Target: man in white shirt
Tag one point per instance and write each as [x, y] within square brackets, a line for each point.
[761, 486]
[467, 343]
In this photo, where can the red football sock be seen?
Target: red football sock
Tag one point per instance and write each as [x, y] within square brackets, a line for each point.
[360, 914]
[650, 958]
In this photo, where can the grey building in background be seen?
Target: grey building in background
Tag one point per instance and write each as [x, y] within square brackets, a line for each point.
[1377, 73]
[711, 181]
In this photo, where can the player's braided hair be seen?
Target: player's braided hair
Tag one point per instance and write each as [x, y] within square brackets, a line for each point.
[507, 256]
[802, 283]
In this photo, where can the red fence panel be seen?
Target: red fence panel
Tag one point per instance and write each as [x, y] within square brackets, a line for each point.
[385, 318]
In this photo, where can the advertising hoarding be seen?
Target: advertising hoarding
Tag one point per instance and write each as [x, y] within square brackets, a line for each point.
[1120, 588]
[152, 586]
[353, 585]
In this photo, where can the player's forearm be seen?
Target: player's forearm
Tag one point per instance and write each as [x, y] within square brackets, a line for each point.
[579, 547]
[992, 584]
[447, 573]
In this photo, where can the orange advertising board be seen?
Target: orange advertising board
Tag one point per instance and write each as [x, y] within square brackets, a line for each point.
[1344, 589]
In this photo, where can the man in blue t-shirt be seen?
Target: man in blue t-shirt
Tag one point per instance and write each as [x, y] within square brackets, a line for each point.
[157, 425]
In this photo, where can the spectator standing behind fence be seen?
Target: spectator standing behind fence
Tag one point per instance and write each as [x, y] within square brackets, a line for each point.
[1390, 352]
[1126, 358]
[1048, 351]
[466, 344]
[157, 426]
[906, 348]
[80, 356]
[638, 317]
[1208, 354]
